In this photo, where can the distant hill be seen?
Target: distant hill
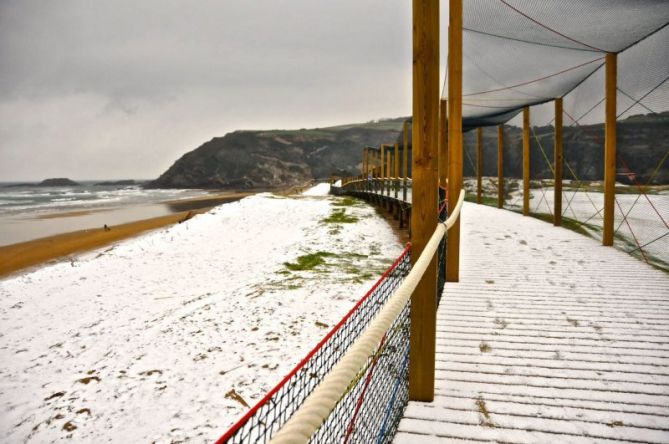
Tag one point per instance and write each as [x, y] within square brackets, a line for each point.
[277, 158]
[261, 159]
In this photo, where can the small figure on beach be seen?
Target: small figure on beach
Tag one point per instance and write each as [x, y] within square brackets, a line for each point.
[188, 216]
[106, 228]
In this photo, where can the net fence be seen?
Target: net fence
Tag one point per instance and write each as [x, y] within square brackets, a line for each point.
[523, 53]
[371, 407]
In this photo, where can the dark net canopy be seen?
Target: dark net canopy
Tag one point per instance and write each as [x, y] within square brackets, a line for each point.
[528, 52]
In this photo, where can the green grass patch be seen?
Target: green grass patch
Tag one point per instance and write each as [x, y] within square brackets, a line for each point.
[308, 261]
[485, 200]
[340, 217]
[347, 202]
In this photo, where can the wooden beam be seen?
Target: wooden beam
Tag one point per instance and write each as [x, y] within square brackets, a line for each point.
[610, 147]
[454, 134]
[443, 143]
[425, 195]
[479, 165]
[526, 161]
[500, 166]
[558, 160]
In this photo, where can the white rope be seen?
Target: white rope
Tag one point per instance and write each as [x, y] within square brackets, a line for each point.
[318, 406]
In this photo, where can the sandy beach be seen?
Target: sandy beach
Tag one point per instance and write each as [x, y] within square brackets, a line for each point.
[21, 255]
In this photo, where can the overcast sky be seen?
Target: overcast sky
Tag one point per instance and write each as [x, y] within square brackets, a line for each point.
[121, 89]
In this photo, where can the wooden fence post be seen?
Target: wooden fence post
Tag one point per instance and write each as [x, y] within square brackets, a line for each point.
[558, 161]
[610, 147]
[425, 195]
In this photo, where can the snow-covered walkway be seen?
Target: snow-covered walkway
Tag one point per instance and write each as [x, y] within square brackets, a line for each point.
[549, 337]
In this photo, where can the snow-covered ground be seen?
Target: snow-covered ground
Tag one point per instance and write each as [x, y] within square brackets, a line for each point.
[163, 337]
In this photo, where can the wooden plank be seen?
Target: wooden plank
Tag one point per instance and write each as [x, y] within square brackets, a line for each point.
[479, 165]
[454, 133]
[425, 198]
[500, 166]
[558, 159]
[526, 161]
[610, 147]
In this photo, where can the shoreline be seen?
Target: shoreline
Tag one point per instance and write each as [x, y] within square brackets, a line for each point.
[18, 257]
[23, 255]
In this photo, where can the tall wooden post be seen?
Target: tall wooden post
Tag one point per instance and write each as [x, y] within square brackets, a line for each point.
[405, 159]
[364, 162]
[389, 171]
[454, 134]
[500, 166]
[610, 147]
[479, 165]
[443, 142]
[396, 160]
[526, 161]
[382, 175]
[425, 194]
[557, 160]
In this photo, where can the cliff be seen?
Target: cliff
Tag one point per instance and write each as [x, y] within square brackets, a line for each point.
[277, 158]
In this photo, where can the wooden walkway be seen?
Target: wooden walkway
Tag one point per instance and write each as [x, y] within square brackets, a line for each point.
[549, 337]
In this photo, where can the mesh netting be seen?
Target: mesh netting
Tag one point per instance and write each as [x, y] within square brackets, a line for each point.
[521, 53]
[375, 399]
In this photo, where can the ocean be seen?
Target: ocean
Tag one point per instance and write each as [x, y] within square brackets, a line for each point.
[29, 212]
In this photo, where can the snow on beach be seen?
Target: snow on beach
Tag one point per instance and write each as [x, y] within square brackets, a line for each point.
[164, 337]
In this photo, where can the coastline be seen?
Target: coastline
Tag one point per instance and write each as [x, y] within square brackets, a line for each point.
[20, 256]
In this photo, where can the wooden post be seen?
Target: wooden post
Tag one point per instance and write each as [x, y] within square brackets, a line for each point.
[558, 160]
[443, 143]
[396, 160]
[526, 161]
[388, 170]
[454, 134]
[479, 165]
[500, 166]
[382, 167]
[425, 195]
[363, 170]
[405, 160]
[610, 147]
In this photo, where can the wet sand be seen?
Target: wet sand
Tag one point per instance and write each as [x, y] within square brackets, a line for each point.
[21, 255]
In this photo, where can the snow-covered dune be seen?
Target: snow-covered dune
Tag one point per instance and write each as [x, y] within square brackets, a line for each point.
[165, 336]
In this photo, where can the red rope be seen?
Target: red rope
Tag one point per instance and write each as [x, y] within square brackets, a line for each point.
[631, 231]
[361, 398]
